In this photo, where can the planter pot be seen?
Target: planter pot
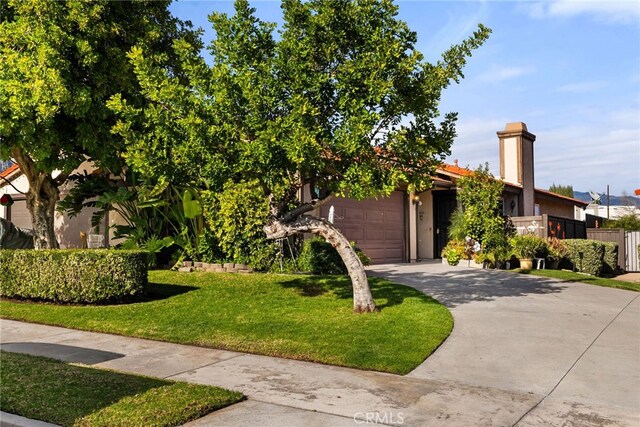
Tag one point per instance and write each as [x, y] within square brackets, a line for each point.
[526, 264]
[553, 265]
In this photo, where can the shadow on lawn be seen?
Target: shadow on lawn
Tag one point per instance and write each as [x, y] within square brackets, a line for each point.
[340, 286]
[160, 291]
[100, 389]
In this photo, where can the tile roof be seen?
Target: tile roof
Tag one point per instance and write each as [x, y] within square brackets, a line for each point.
[8, 171]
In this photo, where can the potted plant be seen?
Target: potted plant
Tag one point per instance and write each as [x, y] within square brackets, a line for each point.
[525, 248]
[557, 251]
[453, 252]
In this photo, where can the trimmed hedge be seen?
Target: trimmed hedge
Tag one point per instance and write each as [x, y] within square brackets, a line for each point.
[588, 256]
[73, 276]
[319, 257]
[610, 258]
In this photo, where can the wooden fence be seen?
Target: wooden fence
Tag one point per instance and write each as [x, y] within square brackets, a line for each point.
[615, 235]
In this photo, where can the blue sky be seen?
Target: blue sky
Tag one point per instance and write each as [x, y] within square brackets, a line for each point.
[569, 69]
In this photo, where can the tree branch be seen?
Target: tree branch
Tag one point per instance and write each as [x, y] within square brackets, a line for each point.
[305, 207]
[11, 184]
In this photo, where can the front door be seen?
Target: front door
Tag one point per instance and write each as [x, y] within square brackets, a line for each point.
[444, 204]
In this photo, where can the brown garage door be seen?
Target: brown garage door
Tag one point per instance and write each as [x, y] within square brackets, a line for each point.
[377, 226]
[19, 214]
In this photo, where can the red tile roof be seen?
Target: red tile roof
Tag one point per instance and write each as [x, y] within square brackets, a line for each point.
[8, 171]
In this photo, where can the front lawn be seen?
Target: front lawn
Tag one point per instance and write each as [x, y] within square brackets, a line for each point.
[70, 395]
[292, 316]
[569, 276]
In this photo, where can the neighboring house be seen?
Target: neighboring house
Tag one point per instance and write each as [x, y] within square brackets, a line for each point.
[408, 227]
[15, 183]
[403, 227]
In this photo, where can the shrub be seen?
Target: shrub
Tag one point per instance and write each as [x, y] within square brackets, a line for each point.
[528, 246]
[556, 249]
[454, 251]
[586, 255]
[73, 276]
[319, 257]
[610, 258]
[236, 217]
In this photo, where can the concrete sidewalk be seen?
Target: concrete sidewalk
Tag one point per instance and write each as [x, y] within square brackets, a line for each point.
[524, 351]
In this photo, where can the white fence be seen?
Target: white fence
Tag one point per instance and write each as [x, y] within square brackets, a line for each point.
[632, 240]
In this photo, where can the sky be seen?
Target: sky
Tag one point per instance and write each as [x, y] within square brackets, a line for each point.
[568, 69]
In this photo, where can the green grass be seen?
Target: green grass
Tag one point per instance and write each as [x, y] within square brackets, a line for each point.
[569, 276]
[71, 395]
[291, 316]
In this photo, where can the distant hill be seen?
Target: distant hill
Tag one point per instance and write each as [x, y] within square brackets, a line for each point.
[613, 200]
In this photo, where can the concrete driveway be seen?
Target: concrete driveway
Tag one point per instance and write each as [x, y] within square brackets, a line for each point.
[524, 351]
[575, 346]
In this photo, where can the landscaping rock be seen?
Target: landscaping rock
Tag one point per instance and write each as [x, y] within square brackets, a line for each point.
[244, 270]
[185, 269]
[229, 265]
[231, 270]
[197, 264]
[187, 263]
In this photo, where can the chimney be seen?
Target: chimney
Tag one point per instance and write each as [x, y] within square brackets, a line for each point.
[516, 163]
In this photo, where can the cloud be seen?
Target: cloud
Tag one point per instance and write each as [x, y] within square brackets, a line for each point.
[499, 74]
[602, 149]
[581, 87]
[608, 12]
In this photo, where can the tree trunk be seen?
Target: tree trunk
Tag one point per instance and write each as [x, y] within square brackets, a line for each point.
[41, 202]
[362, 298]
[42, 197]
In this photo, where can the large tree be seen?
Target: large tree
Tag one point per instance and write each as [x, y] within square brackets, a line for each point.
[341, 102]
[61, 62]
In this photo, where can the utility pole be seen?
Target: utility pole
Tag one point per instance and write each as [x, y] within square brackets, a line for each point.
[607, 201]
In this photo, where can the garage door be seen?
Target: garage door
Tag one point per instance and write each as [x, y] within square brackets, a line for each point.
[19, 214]
[377, 226]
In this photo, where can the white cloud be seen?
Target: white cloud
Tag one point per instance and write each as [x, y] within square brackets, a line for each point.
[588, 154]
[581, 87]
[497, 74]
[610, 12]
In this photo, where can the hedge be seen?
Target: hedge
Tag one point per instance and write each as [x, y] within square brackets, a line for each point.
[587, 256]
[73, 276]
[319, 257]
[610, 258]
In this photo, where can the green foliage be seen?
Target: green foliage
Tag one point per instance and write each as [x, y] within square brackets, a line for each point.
[563, 190]
[557, 250]
[480, 198]
[321, 102]
[458, 227]
[319, 257]
[454, 251]
[610, 258]
[629, 222]
[528, 246]
[236, 217]
[73, 276]
[61, 62]
[587, 256]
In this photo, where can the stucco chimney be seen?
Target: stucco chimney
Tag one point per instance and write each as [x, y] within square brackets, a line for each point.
[516, 163]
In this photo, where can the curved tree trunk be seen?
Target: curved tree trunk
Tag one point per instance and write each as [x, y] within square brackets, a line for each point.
[42, 197]
[362, 298]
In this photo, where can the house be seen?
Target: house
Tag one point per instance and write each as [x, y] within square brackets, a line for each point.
[14, 183]
[403, 227]
[407, 227]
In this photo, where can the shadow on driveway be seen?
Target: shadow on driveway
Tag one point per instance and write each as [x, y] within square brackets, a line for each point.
[453, 286]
